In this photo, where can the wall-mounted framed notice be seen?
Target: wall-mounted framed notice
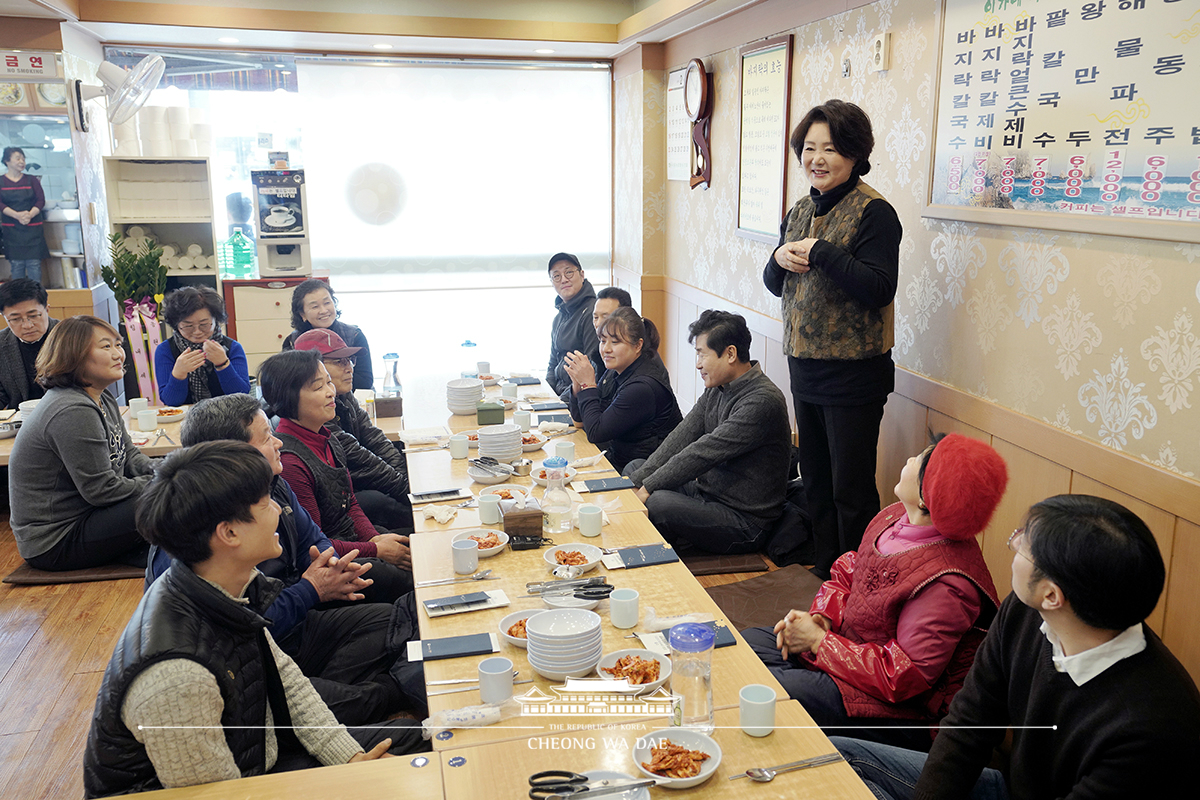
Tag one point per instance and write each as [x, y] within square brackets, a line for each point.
[679, 130]
[1068, 115]
[762, 164]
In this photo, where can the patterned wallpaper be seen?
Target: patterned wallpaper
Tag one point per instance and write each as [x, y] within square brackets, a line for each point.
[89, 152]
[1093, 334]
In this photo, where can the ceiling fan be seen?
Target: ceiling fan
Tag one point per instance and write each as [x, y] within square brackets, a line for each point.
[127, 91]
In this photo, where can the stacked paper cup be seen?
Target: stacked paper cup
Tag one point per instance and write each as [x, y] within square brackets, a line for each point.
[202, 132]
[126, 136]
[154, 131]
[179, 122]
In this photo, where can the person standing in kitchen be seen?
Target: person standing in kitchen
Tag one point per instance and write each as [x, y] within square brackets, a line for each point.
[21, 204]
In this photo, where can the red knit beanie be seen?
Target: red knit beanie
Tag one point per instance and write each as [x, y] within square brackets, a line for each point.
[964, 481]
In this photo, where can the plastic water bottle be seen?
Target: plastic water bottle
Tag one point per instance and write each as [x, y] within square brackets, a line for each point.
[691, 676]
[469, 358]
[391, 376]
[556, 503]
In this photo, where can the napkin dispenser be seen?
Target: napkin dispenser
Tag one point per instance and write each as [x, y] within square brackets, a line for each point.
[489, 413]
[525, 521]
[389, 406]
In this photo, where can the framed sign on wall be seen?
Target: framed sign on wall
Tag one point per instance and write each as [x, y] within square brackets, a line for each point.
[762, 160]
[1069, 116]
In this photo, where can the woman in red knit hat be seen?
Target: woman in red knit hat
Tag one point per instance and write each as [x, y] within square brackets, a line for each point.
[890, 636]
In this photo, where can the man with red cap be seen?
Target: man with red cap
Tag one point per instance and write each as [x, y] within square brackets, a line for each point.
[378, 469]
[890, 636]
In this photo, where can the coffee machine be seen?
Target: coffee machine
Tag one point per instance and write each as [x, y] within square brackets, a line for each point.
[283, 230]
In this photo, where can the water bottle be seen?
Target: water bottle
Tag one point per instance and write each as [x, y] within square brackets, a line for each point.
[391, 376]
[691, 676]
[469, 358]
[556, 503]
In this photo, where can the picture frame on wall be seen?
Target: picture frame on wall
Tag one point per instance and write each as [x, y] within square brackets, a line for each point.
[765, 83]
[15, 97]
[49, 97]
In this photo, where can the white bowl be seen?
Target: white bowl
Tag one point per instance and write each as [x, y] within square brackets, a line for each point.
[463, 384]
[558, 648]
[471, 443]
[561, 675]
[509, 403]
[590, 552]
[573, 655]
[683, 737]
[664, 668]
[484, 552]
[571, 473]
[568, 601]
[513, 619]
[27, 406]
[542, 439]
[587, 660]
[501, 431]
[171, 418]
[485, 477]
[566, 624]
[491, 379]
[514, 489]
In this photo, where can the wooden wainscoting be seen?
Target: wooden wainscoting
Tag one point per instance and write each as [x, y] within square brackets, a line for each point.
[1042, 460]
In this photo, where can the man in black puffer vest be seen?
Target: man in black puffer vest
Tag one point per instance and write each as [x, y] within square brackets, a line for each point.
[197, 654]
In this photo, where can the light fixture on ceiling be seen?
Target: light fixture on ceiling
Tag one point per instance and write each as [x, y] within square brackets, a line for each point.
[544, 52]
[382, 46]
[227, 40]
[280, 66]
[127, 91]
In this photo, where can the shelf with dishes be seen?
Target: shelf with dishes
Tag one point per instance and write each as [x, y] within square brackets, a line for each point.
[159, 220]
[65, 254]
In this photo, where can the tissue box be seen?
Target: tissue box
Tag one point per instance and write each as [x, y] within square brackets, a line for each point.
[389, 406]
[489, 413]
[525, 522]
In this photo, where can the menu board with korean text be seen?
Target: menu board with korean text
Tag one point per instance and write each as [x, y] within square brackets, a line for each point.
[766, 71]
[1076, 108]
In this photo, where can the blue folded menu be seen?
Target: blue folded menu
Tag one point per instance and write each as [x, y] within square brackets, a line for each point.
[550, 405]
[608, 484]
[648, 555]
[724, 635]
[565, 419]
[456, 646]
[527, 380]
[458, 599]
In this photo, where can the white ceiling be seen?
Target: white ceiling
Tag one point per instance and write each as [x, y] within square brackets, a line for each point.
[26, 8]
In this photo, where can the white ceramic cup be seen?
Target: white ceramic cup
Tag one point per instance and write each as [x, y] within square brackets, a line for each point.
[565, 450]
[459, 445]
[489, 509]
[509, 390]
[756, 704]
[484, 367]
[148, 419]
[137, 405]
[495, 679]
[591, 520]
[465, 555]
[522, 418]
[623, 608]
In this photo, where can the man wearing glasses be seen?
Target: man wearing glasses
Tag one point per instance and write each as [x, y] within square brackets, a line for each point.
[572, 327]
[24, 307]
[1097, 706]
[378, 469]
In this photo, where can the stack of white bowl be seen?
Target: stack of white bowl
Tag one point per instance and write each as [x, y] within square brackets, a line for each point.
[462, 394]
[564, 643]
[501, 442]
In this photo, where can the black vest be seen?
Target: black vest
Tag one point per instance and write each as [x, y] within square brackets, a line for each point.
[333, 488]
[643, 440]
[182, 616]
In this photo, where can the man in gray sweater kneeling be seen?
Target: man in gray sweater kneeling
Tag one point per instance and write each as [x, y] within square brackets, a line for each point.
[717, 482]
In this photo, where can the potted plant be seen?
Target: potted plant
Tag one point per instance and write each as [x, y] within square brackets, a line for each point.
[138, 279]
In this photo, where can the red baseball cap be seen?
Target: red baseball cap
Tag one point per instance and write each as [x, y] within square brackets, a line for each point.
[328, 343]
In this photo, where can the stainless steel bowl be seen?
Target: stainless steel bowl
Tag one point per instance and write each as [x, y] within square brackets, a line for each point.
[522, 466]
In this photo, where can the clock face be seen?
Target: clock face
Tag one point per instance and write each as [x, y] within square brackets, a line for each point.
[693, 90]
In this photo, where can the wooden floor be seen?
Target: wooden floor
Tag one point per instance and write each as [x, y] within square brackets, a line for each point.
[55, 642]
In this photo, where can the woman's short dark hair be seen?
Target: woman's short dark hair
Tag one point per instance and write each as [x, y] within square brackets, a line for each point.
[849, 129]
[196, 489]
[1102, 556]
[722, 329]
[630, 327]
[182, 303]
[302, 291]
[20, 290]
[282, 376]
[9, 152]
[67, 349]
[226, 417]
[615, 293]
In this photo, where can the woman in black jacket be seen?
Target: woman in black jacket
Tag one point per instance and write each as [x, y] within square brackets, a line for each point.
[314, 306]
[632, 407]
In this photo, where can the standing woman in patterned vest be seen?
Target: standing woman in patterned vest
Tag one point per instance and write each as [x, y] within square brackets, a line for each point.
[889, 639]
[836, 270]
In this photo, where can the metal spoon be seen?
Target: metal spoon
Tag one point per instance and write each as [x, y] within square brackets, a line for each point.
[766, 775]
[479, 576]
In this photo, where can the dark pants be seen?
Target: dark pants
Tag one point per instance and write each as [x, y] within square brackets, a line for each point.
[404, 733]
[822, 699]
[838, 445]
[390, 582]
[891, 773]
[385, 511]
[686, 516]
[100, 537]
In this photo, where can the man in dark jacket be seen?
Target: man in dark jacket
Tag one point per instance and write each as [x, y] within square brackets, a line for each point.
[378, 470]
[197, 690]
[572, 327]
[23, 303]
[352, 650]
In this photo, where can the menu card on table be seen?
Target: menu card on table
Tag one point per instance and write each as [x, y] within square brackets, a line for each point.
[657, 642]
[602, 485]
[461, 603]
[547, 406]
[645, 556]
[453, 647]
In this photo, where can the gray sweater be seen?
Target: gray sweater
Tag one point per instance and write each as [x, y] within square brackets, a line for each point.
[735, 443]
[67, 459]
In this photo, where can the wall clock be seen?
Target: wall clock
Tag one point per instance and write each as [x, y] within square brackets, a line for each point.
[697, 101]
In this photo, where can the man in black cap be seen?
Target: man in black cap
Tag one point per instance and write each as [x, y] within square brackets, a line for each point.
[572, 327]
